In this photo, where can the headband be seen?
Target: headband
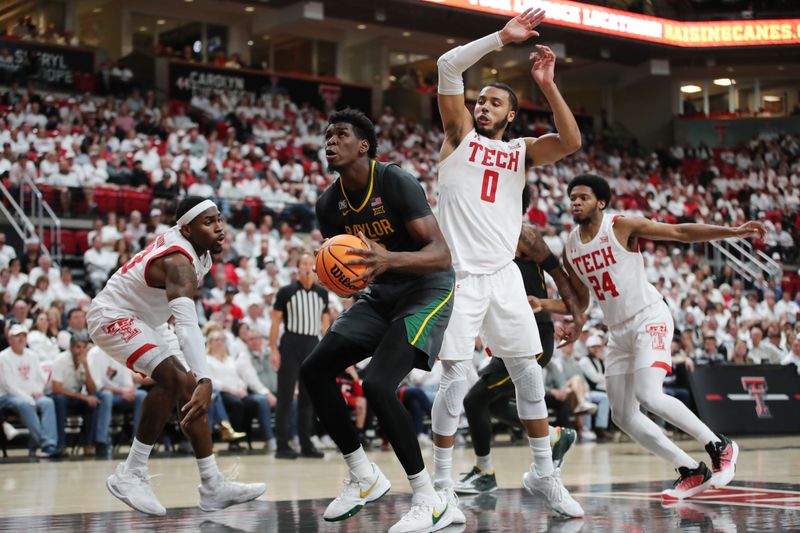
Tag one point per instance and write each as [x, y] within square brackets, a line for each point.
[192, 213]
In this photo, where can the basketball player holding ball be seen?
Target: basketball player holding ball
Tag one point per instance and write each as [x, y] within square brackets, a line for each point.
[399, 320]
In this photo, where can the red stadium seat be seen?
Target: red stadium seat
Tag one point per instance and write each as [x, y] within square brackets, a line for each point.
[82, 242]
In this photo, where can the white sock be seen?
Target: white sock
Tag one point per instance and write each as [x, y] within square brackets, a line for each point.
[542, 455]
[555, 434]
[485, 463]
[421, 483]
[442, 467]
[138, 456]
[208, 469]
[360, 467]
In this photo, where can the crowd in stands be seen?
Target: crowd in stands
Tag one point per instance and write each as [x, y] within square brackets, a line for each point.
[262, 159]
[26, 29]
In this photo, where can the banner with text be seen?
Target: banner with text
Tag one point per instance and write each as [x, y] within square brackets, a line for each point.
[188, 79]
[57, 66]
[742, 399]
[643, 27]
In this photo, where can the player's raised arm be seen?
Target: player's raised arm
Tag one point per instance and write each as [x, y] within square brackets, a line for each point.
[181, 283]
[533, 247]
[553, 146]
[657, 231]
[456, 119]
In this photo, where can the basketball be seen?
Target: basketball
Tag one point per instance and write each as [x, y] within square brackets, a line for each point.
[332, 270]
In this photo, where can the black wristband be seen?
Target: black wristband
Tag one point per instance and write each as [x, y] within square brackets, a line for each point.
[550, 263]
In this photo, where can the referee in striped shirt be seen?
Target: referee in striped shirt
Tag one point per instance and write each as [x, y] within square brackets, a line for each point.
[302, 307]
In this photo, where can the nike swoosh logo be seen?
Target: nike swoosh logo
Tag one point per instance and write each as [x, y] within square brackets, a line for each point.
[437, 516]
[364, 494]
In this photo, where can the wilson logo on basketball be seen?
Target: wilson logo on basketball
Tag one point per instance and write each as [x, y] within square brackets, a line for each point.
[341, 277]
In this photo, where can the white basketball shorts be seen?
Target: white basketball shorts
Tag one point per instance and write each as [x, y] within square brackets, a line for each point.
[128, 340]
[642, 341]
[495, 307]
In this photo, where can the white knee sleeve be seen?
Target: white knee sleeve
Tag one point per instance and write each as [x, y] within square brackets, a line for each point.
[449, 401]
[527, 377]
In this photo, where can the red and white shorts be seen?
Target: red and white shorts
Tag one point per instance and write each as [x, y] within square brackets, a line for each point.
[128, 340]
[642, 341]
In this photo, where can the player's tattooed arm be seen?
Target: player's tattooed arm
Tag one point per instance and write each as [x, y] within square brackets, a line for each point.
[180, 276]
[181, 284]
[533, 247]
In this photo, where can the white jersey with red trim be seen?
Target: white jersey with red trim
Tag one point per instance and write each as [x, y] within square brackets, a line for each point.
[480, 202]
[128, 289]
[615, 275]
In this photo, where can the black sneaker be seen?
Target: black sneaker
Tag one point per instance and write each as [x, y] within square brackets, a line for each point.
[312, 453]
[692, 481]
[286, 453]
[723, 460]
[476, 482]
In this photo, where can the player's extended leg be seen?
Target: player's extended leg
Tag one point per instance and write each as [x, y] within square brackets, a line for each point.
[392, 361]
[542, 477]
[723, 451]
[130, 481]
[491, 392]
[444, 418]
[625, 411]
[318, 373]
[216, 492]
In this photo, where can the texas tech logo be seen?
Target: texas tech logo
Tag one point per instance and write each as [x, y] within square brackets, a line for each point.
[658, 333]
[757, 388]
[122, 327]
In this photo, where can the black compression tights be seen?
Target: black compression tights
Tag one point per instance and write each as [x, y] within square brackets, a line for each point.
[391, 361]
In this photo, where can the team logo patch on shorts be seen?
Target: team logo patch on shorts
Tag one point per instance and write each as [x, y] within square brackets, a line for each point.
[657, 333]
[122, 327]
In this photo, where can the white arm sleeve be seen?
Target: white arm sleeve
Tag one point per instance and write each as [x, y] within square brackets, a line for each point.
[189, 336]
[452, 64]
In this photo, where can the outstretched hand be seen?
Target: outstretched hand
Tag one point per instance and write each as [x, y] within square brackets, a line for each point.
[544, 64]
[521, 27]
[751, 229]
[375, 257]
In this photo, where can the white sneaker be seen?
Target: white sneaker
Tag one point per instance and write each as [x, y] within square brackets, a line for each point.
[223, 493]
[132, 487]
[588, 435]
[316, 442]
[427, 513]
[10, 431]
[554, 492]
[271, 445]
[452, 505]
[356, 493]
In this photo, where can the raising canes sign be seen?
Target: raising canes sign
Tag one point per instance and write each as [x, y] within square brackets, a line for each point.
[53, 65]
[189, 79]
[740, 399]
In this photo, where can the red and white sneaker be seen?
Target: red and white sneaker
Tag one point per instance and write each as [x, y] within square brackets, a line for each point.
[723, 460]
[692, 481]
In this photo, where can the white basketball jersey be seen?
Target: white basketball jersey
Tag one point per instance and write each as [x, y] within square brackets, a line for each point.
[128, 289]
[480, 202]
[614, 275]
